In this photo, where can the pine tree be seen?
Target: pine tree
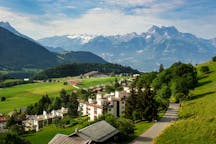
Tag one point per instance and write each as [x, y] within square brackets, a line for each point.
[73, 105]
[131, 104]
[161, 68]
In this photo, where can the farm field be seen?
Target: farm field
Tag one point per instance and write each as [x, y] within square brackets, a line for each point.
[26, 94]
[197, 117]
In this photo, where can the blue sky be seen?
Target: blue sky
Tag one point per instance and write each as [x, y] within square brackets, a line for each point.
[42, 18]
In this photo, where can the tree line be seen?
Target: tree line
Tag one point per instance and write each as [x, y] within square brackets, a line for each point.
[151, 92]
[76, 69]
[45, 103]
[4, 84]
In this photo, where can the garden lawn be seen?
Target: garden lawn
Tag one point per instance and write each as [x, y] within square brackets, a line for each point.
[48, 132]
[197, 117]
[141, 127]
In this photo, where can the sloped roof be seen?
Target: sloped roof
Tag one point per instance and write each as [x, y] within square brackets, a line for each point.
[91, 73]
[65, 139]
[98, 132]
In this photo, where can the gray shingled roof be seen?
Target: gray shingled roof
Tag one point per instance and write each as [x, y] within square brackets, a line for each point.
[98, 132]
[65, 139]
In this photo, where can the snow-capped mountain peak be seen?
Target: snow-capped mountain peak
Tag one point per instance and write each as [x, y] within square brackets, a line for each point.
[7, 26]
[84, 38]
[153, 29]
[126, 37]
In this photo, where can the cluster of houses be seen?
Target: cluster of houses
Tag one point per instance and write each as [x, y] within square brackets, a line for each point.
[3, 120]
[36, 122]
[112, 103]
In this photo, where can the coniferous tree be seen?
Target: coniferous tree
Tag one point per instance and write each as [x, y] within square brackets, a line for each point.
[73, 105]
[131, 104]
[57, 103]
[161, 68]
[64, 97]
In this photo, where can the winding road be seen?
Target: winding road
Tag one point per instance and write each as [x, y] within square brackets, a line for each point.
[170, 116]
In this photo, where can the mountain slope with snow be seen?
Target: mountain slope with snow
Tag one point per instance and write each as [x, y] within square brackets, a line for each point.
[8, 27]
[68, 42]
[145, 51]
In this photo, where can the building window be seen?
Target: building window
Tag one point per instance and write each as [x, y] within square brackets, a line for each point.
[123, 102]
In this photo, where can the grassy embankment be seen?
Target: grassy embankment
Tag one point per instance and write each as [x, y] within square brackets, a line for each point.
[197, 117]
[26, 94]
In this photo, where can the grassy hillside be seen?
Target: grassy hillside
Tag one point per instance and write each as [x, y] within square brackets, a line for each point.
[197, 117]
[18, 52]
[26, 94]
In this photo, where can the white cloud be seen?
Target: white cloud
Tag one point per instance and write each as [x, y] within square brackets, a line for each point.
[158, 8]
[105, 21]
[126, 3]
[25, 23]
[139, 51]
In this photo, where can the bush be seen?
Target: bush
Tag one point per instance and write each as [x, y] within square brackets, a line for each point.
[11, 138]
[18, 129]
[204, 69]
[3, 98]
[125, 126]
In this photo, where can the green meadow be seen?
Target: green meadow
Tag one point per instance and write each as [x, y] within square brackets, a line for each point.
[197, 116]
[26, 94]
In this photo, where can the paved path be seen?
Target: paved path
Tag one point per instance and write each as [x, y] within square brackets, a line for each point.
[170, 115]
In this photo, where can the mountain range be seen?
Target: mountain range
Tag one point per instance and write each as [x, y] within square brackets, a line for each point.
[145, 51]
[18, 52]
